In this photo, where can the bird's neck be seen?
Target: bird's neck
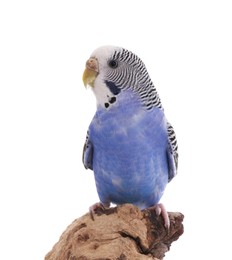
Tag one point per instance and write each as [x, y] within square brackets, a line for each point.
[127, 105]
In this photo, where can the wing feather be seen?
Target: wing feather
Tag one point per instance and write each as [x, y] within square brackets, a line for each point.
[172, 152]
[87, 156]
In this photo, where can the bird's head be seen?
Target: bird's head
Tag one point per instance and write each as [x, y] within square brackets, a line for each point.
[111, 70]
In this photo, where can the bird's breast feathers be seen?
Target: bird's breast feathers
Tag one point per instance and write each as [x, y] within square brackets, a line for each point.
[128, 128]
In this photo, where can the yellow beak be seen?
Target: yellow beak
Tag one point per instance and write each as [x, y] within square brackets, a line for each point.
[91, 72]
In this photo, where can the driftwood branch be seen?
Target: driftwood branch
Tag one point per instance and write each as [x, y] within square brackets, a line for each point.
[119, 233]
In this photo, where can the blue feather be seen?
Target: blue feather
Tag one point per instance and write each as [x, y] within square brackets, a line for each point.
[129, 152]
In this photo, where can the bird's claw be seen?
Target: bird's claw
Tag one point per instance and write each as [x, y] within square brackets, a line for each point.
[97, 206]
[160, 210]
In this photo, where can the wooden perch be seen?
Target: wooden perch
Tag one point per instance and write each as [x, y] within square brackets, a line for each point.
[119, 233]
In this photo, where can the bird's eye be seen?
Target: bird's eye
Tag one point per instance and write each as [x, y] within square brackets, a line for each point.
[113, 64]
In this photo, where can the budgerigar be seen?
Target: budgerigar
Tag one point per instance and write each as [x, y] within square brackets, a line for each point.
[130, 145]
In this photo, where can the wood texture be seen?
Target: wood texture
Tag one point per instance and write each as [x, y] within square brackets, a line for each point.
[119, 233]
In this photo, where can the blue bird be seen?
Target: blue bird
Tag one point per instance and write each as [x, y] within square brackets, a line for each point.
[130, 145]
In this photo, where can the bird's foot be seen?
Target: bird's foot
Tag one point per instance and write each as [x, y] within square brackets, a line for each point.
[160, 209]
[98, 206]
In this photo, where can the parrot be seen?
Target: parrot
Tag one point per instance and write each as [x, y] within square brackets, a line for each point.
[130, 146]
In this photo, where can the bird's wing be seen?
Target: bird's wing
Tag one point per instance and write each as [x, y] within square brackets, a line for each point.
[172, 152]
[87, 156]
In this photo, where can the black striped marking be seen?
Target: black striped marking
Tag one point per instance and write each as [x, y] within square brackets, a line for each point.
[173, 143]
[131, 73]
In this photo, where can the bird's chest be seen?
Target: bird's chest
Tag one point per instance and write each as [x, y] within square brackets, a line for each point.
[125, 139]
[129, 156]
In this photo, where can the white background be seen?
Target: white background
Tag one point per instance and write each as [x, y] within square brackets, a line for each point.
[45, 112]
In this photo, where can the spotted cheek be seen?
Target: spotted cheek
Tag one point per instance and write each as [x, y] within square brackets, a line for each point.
[111, 100]
[104, 95]
[107, 105]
